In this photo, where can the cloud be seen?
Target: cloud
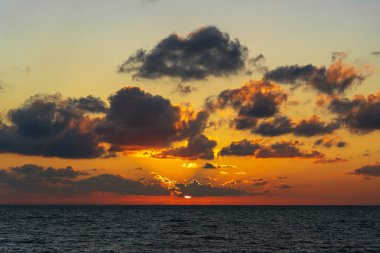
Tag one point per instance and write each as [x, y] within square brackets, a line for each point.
[253, 101]
[85, 127]
[241, 148]
[368, 170]
[217, 166]
[138, 119]
[360, 114]
[184, 89]
[48, 125]
[257, 64]
[331, 160]
[376, 53]
[30, 179]
[198, 147]
[282, 186]
[196, 189]
[284, 149]
[328, 142]
[280, 125]
[335, 79]
[260, 183]
[259, 149]
[203, 53]
[313, 126]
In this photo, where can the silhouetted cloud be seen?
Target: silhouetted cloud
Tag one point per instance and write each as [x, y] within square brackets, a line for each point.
[203, 53]
[313, 126]
[274, 127]
[280, 125]
[52, 126]
[89, 104]
[196, 189]
[253, 101]
[332, 80]
[331, 160]
[284, 149]
[184, 89]
[329, 142]
[217, 166]
[368, 170]
[138, 119]
[241, 148]
[259, 149]
[361, 114]
[376, 53]
[282, 186]
[33, 179]
[198, 147]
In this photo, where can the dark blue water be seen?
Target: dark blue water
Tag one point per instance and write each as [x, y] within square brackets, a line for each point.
[189, 229]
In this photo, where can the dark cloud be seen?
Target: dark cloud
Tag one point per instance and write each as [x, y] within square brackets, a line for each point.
[254, 100]
[368, 170]
[257, 64]
[198, 147]
[329, 142]
[331, 160]
[284, 149]
[260, 183]
[313, 126]
[197, 189]
[241, 148]
[376, 53]
[33, 179]
[203, 53]
[52, 126]
[209, 166]
[361, 114]
[138, 119]
[119, 185]
[332, 80]
[282, 186]
[89, 104]
[184, 89]
[283, 125]
[258, 149]
[217, 166]
[278, 126]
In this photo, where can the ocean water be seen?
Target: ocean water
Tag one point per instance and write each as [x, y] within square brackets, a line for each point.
[189, 229]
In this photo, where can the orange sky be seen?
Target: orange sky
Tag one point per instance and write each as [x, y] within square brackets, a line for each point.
[125, 104]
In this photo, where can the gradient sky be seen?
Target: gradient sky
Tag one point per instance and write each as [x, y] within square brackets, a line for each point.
[75, 49]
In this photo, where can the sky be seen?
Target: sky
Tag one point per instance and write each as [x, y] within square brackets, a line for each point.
[189, 102]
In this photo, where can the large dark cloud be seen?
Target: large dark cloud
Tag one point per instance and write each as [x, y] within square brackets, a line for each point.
[33, 179]
[198, 147]
[259, 149]
[37, 181]
[335, 79]
[283, 125]
[138, 119]
[361, 114]
[368, 170]
[203, 53]
[196, 189]
[53, 126]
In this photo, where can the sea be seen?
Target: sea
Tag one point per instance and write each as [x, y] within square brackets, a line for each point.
[189, 228]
